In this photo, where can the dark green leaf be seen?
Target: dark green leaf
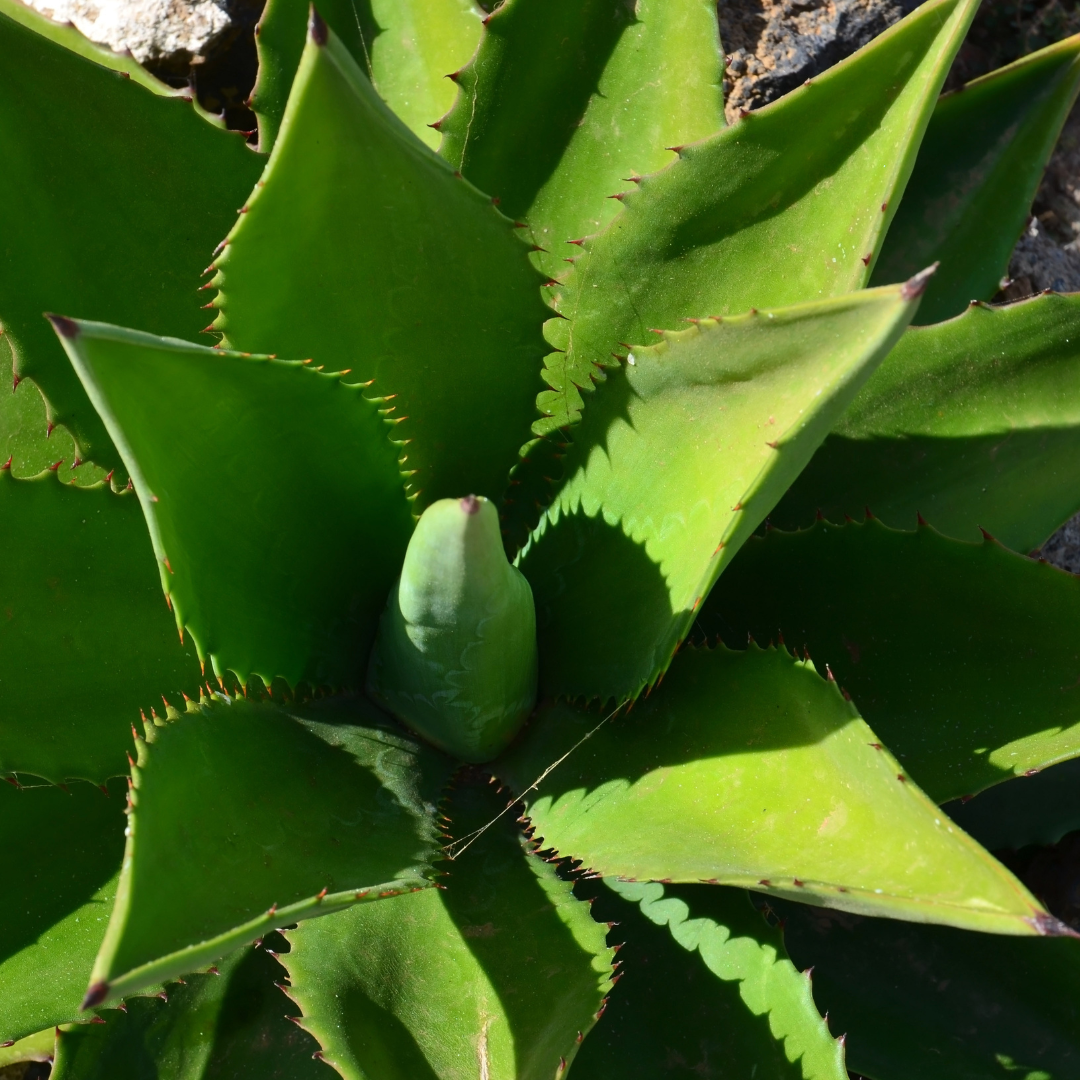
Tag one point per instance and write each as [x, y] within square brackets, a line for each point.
[787, 205]
[746, 768]
[86, 639]
[498, 975]
[62, 853]
[979, 165]
[244, 811]
[565, 99]
[737, 1008]
[273, 495]
[940, 1004]
[685, 450]
[408, 47]
[964, 658]
[378, 259]
[112, 198]
[230, 1026]
[1038, 809]
[973, 422]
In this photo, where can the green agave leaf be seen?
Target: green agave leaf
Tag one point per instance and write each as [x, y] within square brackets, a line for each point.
[940, 1004]
[114, 218]
[62, 852]
[28, 443]
[973, 422]
[407, 47]
[685, 451]
[564, 100]
[1037, 809]
[36, 1047]
[228, 1025]
[765, 777]
[978, 168]
[86, 640]
[243, 811]
[284, 572]
[498, 974]
[788, 205]
[934, 638]
[737, 1008]
[378, 259]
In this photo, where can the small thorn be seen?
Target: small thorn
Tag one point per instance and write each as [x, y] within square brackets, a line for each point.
[818, 515]
[766, 882]
[53, 468]
[865, 260]
[901, 777]
[869, 515]
[212, 970]
[797, 883]
[97, 1020]
[876, 745]
[987, 536]
[6, 465]
[829, 676]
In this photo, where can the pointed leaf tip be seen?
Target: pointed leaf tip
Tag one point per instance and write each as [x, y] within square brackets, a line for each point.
[1048, 926]
[97, 993]
[64, 326]
[915, 286]
[317, 29]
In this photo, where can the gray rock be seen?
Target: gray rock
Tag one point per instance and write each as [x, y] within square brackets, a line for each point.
[153, 30]
[775, 45]
[1063, 548]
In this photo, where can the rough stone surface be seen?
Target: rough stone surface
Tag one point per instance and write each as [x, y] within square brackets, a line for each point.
[153, 30]
[774, 45]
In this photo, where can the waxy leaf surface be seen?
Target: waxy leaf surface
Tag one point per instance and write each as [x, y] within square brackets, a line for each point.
[564, 100]
[683, 453]
[497, 975]
[978, 168]
[972, 422]
[62, 853]
[981, 1006]
[1036, 809]
[788, 205]
[91, 158]
[379, 260]
[965, 658]
[229, 1025]
[248, 816]
[407, 47]
[86, 640]
[273, 496]
[705, 984]
[749, 769]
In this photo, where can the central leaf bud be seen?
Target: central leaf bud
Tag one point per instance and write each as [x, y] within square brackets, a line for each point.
[455, 657]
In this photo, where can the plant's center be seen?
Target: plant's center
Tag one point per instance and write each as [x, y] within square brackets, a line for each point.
[455, 657]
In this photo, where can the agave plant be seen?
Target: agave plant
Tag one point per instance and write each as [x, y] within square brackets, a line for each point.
[539, 402]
